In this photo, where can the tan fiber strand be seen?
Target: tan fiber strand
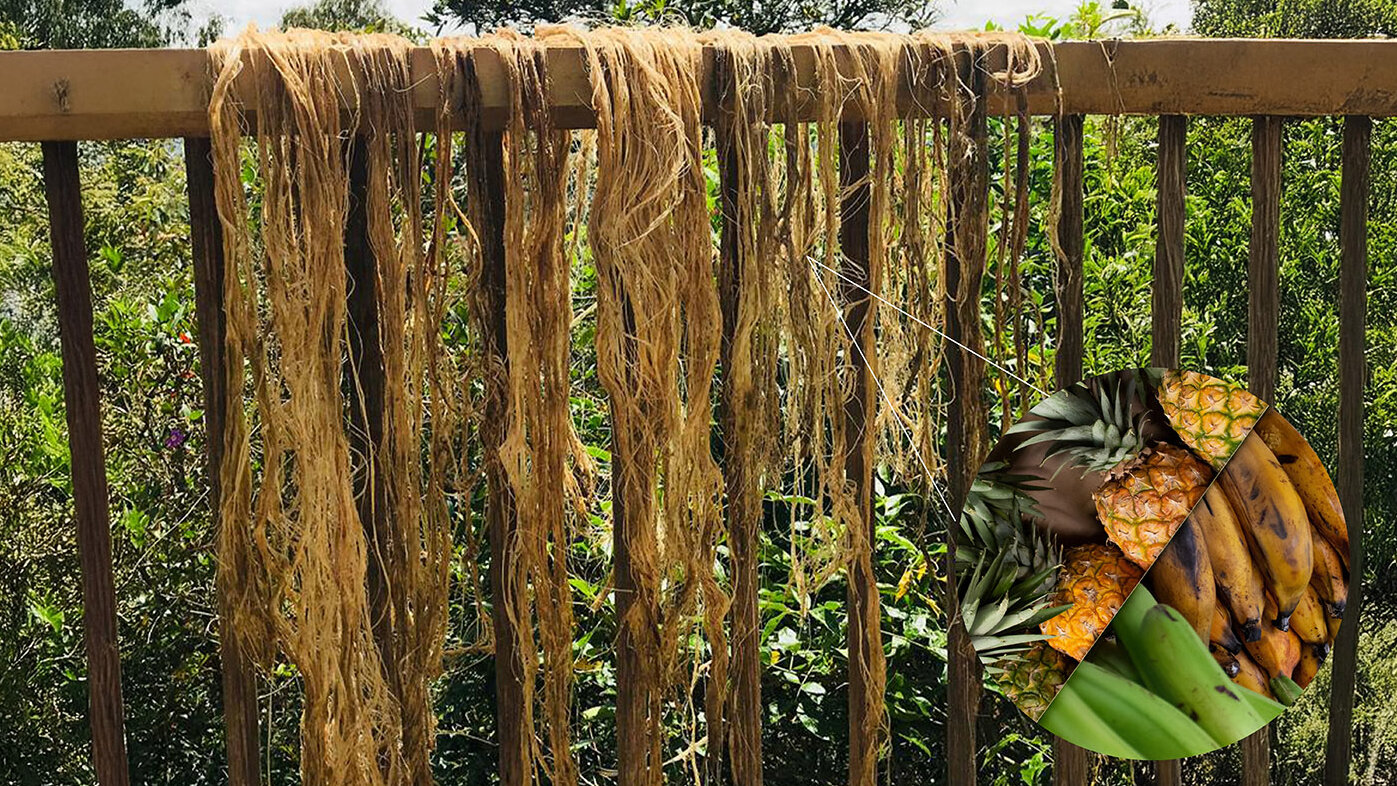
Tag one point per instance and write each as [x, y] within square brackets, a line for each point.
[293, 532]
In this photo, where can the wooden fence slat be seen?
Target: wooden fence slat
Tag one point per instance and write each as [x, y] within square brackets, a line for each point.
[1067, 153]
[966, 416]
[1070, 762]
[741, 494]
[865, 616]
[239, 680]
[1167, 299]
[122, 94]
[486, 192]
[82, 409]
[1353, 372]
[1168, 302]
[1263, 288]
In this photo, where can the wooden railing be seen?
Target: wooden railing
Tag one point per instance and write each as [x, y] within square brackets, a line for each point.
[59, 97]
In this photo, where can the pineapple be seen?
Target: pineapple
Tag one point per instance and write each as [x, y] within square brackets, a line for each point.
[1031, 680]
[1007, 567]
[1211, 415]
[1150, 486]
[1096, 579]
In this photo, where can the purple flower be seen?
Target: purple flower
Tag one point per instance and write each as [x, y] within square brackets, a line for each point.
[176, 439]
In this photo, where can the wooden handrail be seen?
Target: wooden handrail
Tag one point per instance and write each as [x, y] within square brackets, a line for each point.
[140, 93]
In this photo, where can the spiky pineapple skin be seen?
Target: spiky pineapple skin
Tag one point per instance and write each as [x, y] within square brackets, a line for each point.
[1143, 503]
[1095, 580]
[1032, 678]
[1211, 415]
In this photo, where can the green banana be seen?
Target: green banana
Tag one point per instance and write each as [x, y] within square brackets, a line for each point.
[1110, 656]
[1268, 709]
[1151, 725]
[1176, 664]
[1285, 689]
[1069, 717]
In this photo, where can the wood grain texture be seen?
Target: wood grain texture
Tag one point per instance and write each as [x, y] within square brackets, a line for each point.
[1067, 283]
[1353, 374]
[1167, 301]
[966, 416]
[856, 280]
[486, 190]
[742, 496]
[1071, 763]
[121, 94]
[239, 680]
[1263, 258]
[1263, 310]
[82, 408]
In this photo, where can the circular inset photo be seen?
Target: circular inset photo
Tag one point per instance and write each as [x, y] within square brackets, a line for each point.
[1153, 563]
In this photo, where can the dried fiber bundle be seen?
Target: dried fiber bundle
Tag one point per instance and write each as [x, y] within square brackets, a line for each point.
[658, 326]
[325, 464]
[533, 445]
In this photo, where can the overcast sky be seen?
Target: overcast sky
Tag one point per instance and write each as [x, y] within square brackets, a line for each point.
[955, 13]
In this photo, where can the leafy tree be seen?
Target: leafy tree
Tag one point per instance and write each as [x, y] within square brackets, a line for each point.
[755, 17]
[368, 16]
[1295, 18]
[95, 24]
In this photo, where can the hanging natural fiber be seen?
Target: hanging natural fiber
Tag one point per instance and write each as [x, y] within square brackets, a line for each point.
[293, 549]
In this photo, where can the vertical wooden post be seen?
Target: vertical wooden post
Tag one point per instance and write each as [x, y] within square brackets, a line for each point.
[486, 194]
[1263, 276]
[1070, 762]
[1353, 373]
[82, 408]
[865, 643]
[1168, 302]
[742, 495]
[1168, 299]
[966, 415]
[206, 242]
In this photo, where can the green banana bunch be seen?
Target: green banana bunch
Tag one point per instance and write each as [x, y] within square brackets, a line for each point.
[1156, 692]
[1176, 665]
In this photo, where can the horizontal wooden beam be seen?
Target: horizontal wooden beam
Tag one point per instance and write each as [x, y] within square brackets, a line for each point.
[117, 94]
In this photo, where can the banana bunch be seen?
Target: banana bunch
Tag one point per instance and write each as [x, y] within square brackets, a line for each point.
[1259, 570]
[1155, 692]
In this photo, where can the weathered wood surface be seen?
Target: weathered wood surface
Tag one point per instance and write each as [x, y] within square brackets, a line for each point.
[115, 94]
[1168, 302]
[856, 281]
[1070, 762]
[239, 680]
[966, 416]
[742, 737]
[82, 409]
[1353, 374]
[1263, 310]
[487, 194]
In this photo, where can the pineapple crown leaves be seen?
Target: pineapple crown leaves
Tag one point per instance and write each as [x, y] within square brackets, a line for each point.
[1095, 424]
[995, 507]
[997, 605]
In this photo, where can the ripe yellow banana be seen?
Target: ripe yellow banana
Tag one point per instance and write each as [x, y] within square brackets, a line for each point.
[1308, 620]
[1276, 652]
[1308, 667]
[1274, 519]
[1225, 659]
[1239, 586]
[1307, 474]
[1328, 577]
[1221, 632]
[1333, 623]
[1249, 675]
[1182, 577]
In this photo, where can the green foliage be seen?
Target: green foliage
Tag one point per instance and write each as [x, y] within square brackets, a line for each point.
[364, 16]
[1295, 18]
[759, 18]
